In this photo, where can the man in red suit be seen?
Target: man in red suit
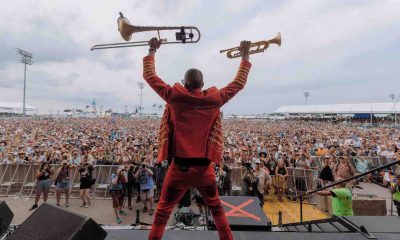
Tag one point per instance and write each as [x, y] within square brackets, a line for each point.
[191, 136]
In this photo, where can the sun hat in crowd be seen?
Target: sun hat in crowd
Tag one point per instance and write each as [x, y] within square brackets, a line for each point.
[262, 152]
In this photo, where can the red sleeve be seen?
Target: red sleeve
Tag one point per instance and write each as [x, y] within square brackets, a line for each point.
[238, 82]
[150, 75]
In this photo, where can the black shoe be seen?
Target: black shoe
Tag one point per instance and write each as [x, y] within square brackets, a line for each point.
[33, 207]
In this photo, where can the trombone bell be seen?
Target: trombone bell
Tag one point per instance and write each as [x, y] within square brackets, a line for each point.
[125, 28]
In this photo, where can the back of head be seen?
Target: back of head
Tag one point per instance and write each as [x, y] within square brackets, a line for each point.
[193, 79]
[341, 185]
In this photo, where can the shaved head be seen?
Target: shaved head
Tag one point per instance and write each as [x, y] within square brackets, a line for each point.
[193, 79]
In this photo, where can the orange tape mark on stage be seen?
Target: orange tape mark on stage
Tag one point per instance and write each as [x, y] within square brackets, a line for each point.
[237, 211]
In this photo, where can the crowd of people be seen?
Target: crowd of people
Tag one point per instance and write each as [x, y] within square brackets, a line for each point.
[100, 141]
[265, 149]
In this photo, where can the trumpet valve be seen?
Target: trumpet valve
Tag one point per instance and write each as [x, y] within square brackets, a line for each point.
[257, 50]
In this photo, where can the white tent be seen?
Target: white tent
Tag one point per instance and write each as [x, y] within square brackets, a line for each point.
[374, 108]
[15, 107]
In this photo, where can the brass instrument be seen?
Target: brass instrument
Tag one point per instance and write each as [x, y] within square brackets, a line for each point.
[260, 46]
[126, 30]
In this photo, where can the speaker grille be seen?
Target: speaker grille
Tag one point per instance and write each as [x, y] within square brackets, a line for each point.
[49, 222]
[6, 216]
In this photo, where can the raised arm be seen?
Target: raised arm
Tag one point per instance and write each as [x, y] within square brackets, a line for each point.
[239, 81]
[149, 71]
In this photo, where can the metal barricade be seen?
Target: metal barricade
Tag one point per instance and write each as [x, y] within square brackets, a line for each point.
[9, 178]
[318, 160]
[19, 181]
[301, 180]
[236, 180]
[103, 180]
[298, 180]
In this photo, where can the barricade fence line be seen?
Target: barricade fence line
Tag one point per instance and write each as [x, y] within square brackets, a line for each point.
[19, 179]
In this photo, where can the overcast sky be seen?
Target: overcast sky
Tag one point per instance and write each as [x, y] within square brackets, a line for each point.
[339, 51]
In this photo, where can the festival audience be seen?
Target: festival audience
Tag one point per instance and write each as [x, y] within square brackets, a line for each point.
[63, 182]
[145, 178]
[279, 179]
[264, 148]
[86, 182]
[261, 176]
[43, 183]
[118, 178]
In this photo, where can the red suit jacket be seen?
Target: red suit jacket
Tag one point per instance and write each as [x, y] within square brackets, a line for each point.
[191, 124]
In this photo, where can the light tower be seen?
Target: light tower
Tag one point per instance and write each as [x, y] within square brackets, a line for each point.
[392, 96]
[26, 58]
[141, 86]
[306, 94]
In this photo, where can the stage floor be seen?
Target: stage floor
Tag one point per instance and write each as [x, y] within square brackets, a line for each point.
[101, 210]
[211, 235]
[290, 211]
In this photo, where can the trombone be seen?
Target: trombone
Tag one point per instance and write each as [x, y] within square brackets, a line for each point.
[127, 30]
[260, 46]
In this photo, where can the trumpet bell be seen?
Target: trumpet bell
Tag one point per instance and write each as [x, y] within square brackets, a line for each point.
[277, 40]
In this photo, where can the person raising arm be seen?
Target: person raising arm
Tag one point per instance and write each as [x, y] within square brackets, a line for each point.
[191, 137]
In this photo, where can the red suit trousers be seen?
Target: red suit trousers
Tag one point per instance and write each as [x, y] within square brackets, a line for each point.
[176, 183]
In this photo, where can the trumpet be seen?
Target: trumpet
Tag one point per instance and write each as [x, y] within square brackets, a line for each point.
[127, 30]
[260, 46]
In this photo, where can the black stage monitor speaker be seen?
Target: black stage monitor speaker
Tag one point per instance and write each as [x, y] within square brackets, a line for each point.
[49, 222]
[243, 214]
[6, 216]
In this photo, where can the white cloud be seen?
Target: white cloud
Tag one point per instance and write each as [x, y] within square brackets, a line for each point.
[325, 45]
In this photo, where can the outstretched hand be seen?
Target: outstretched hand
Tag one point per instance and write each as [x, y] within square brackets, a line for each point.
[154, 43]
[244, 49]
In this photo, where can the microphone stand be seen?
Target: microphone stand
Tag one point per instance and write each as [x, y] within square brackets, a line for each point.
[138, 222]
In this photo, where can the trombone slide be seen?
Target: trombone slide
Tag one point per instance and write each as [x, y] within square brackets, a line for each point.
[127, 30]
